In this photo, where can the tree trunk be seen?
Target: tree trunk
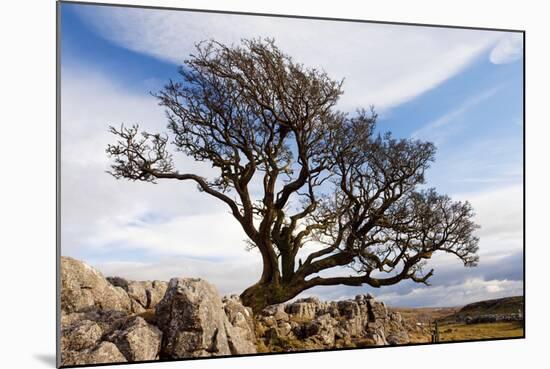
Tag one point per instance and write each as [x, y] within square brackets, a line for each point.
[260, 295]
[270, 270]
[287, 266]
[275, 285]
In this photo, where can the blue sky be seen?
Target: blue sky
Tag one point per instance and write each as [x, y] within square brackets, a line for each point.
[461, 89]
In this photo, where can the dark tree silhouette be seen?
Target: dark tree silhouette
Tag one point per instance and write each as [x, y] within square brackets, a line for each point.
[327, 179]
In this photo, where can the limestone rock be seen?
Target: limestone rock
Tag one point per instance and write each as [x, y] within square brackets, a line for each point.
[348, 309]
[375, 331]
[240, 339]
[155, 292]
[137, 340]
[360, 321]
[268, 321]
[378, 309]
[396, 317]
[144, 295]
[354, 327]
[105, 352]
[398, 338]
[239, 315]
[118, 320]
[276, 311]
[114, 320]
[83, 287]
[239, 326]
[192, 319]
[324, 327]
[329, 307]
[303, 308]
[81, 335]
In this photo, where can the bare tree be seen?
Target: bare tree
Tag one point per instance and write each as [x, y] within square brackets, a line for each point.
[328, 180]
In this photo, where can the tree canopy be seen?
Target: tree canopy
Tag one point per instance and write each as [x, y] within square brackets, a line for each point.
[328, 179]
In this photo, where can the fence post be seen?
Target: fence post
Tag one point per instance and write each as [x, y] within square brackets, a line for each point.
[435, 335]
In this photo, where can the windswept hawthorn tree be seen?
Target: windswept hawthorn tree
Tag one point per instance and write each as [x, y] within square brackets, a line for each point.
[327, 178]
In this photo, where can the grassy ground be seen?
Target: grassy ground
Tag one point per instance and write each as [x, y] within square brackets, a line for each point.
[458, 331]
[419, 321]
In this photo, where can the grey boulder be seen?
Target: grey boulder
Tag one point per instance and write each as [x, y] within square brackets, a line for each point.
[192, 319]
[83, 287]
[137, 340]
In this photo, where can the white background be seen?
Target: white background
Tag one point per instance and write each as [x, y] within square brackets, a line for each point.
[27, 189]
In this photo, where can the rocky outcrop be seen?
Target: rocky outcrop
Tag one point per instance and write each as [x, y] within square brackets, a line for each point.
[312, 324]
[107, 336]
[111, 320]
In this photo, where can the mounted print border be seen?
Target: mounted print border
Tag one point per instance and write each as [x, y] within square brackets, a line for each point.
[236, 184]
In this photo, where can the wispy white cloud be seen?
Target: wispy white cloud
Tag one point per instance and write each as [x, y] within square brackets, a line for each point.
[478, 165]
[383, 65]
[439, 130]
[508, 49]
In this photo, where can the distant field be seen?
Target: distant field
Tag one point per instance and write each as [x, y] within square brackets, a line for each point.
[458, 331]
[425, 315]
[505, 305]
[420, 321]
